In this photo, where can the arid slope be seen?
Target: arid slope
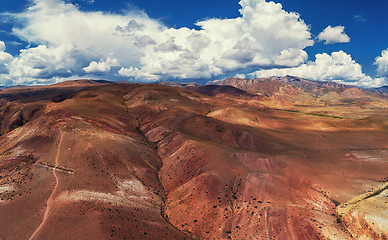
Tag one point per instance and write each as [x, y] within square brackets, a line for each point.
[99, 160]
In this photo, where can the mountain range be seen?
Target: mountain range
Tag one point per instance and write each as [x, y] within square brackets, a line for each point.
[268, 158]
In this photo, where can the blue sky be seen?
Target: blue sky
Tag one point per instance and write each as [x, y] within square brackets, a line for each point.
[47, 41]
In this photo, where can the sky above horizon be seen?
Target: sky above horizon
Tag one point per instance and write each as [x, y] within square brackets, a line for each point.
[48, 41]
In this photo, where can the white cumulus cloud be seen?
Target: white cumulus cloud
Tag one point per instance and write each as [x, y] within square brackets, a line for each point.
[76, 43]
[102, 66]
[44, 62]
[69, 42]
[135, 73]
[5, 58]
[382, 64]
[334, 35]
[339, 67]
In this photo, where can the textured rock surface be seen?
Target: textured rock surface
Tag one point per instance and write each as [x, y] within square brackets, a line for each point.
[97, 160]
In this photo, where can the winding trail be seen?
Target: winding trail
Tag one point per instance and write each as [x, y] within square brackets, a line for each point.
[50, 200]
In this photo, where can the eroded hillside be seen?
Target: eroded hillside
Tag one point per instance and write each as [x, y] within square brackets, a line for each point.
[98, 160]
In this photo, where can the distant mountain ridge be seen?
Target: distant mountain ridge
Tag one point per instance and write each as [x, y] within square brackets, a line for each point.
[310, 84]
[180, 84]
[290, 91]
[291, 80]
[305, 84]
[382, 90]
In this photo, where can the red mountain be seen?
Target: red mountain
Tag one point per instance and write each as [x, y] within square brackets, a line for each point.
[100, 160]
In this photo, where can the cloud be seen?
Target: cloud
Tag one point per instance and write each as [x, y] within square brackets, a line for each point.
[240, 75]
[135, 73]
[131, 46]
[334, 35]
[5, 58]
[133, 25]
[102, 66]
[226, 45]
[382, 64]
[2, 46]
[44, 62]
[291, 57]
[54, 23]
[168, 46]
[257, 38]
[143, 41]
[339, 67]
[71, 42]
[359, 18]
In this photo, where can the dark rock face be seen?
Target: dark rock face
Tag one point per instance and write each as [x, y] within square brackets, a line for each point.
[255, 160]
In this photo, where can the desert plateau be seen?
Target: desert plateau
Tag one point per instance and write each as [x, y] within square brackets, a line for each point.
[267, 158]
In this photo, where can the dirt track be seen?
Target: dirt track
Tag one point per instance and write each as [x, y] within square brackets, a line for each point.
[50, 200]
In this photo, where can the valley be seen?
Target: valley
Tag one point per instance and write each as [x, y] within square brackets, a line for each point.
[274, 158]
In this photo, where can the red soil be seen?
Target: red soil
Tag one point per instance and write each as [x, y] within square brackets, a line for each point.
[133, 161]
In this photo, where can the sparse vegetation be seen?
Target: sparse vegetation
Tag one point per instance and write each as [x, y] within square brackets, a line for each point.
[132, 161]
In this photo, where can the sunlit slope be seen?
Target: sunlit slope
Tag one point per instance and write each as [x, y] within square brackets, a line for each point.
[100, 160]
